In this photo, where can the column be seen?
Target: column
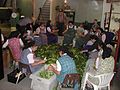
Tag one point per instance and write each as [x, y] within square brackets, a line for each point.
[33, 10]
[1, 60]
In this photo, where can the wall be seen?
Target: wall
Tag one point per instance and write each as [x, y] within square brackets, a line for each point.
[38, 4]
[53, 6]
[25, 6]
[86, 9]
[106, 8]
[115, 14]
[116, 9]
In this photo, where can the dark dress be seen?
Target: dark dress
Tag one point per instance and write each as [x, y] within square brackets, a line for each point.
[51, 37]
[37, 39]
[109, 37]
[69, 36]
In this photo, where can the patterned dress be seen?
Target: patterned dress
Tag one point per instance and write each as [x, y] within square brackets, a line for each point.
[14, 45]
[67, 66]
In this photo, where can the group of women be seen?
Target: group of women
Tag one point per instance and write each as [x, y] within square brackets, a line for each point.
[93, 42]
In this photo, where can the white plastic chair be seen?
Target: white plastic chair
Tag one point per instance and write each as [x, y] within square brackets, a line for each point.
[104, 80]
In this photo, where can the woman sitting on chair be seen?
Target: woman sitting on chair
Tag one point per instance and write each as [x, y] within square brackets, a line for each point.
[28, 58]
[14, 43]
[64, 65]
[102, 65]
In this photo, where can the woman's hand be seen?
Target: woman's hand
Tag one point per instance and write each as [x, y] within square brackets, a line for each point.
[50, 68]
[42, 61]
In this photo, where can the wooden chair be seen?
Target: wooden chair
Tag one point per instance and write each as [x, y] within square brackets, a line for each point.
[70, 81]
[15, 61]
[19, 64]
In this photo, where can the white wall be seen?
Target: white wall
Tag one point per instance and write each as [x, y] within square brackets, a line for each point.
[115, 14]
[116, 9]
[86, 9]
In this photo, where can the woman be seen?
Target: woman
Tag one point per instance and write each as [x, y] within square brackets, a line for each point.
[61, 21]
[69, 34]
[104, 63]
[51, 33]
[2, 37]
[28, 58]
[42, 32]
[64, 65]
[14, 43]
[37, 38]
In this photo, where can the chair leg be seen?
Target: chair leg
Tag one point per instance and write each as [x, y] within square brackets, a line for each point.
[84, 82]
[95, 87]
[58, 87]
[108, 87]
[83, 88]
[31, 85]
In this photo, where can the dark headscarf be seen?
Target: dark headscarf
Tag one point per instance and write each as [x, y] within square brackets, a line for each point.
[64, 49]
[106, 52]
[14, 34]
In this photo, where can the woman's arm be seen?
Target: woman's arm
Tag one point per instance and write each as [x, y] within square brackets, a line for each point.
[5, 44]
[37, 63]
[21, 42]
[32, 61]
[51, 68]
[56, 70]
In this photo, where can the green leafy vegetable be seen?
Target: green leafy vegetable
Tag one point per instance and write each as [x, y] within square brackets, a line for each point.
[51, 53]
[46, 74]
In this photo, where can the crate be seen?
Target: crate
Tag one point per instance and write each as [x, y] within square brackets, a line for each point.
[39, 83]
[11, 76]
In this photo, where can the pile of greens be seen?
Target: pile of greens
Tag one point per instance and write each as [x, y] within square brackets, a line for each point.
[46, 74]
[51, 53]
[48, 51]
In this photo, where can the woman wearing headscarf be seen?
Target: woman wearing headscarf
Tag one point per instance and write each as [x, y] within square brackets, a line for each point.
[64, 65]
[104, 63]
